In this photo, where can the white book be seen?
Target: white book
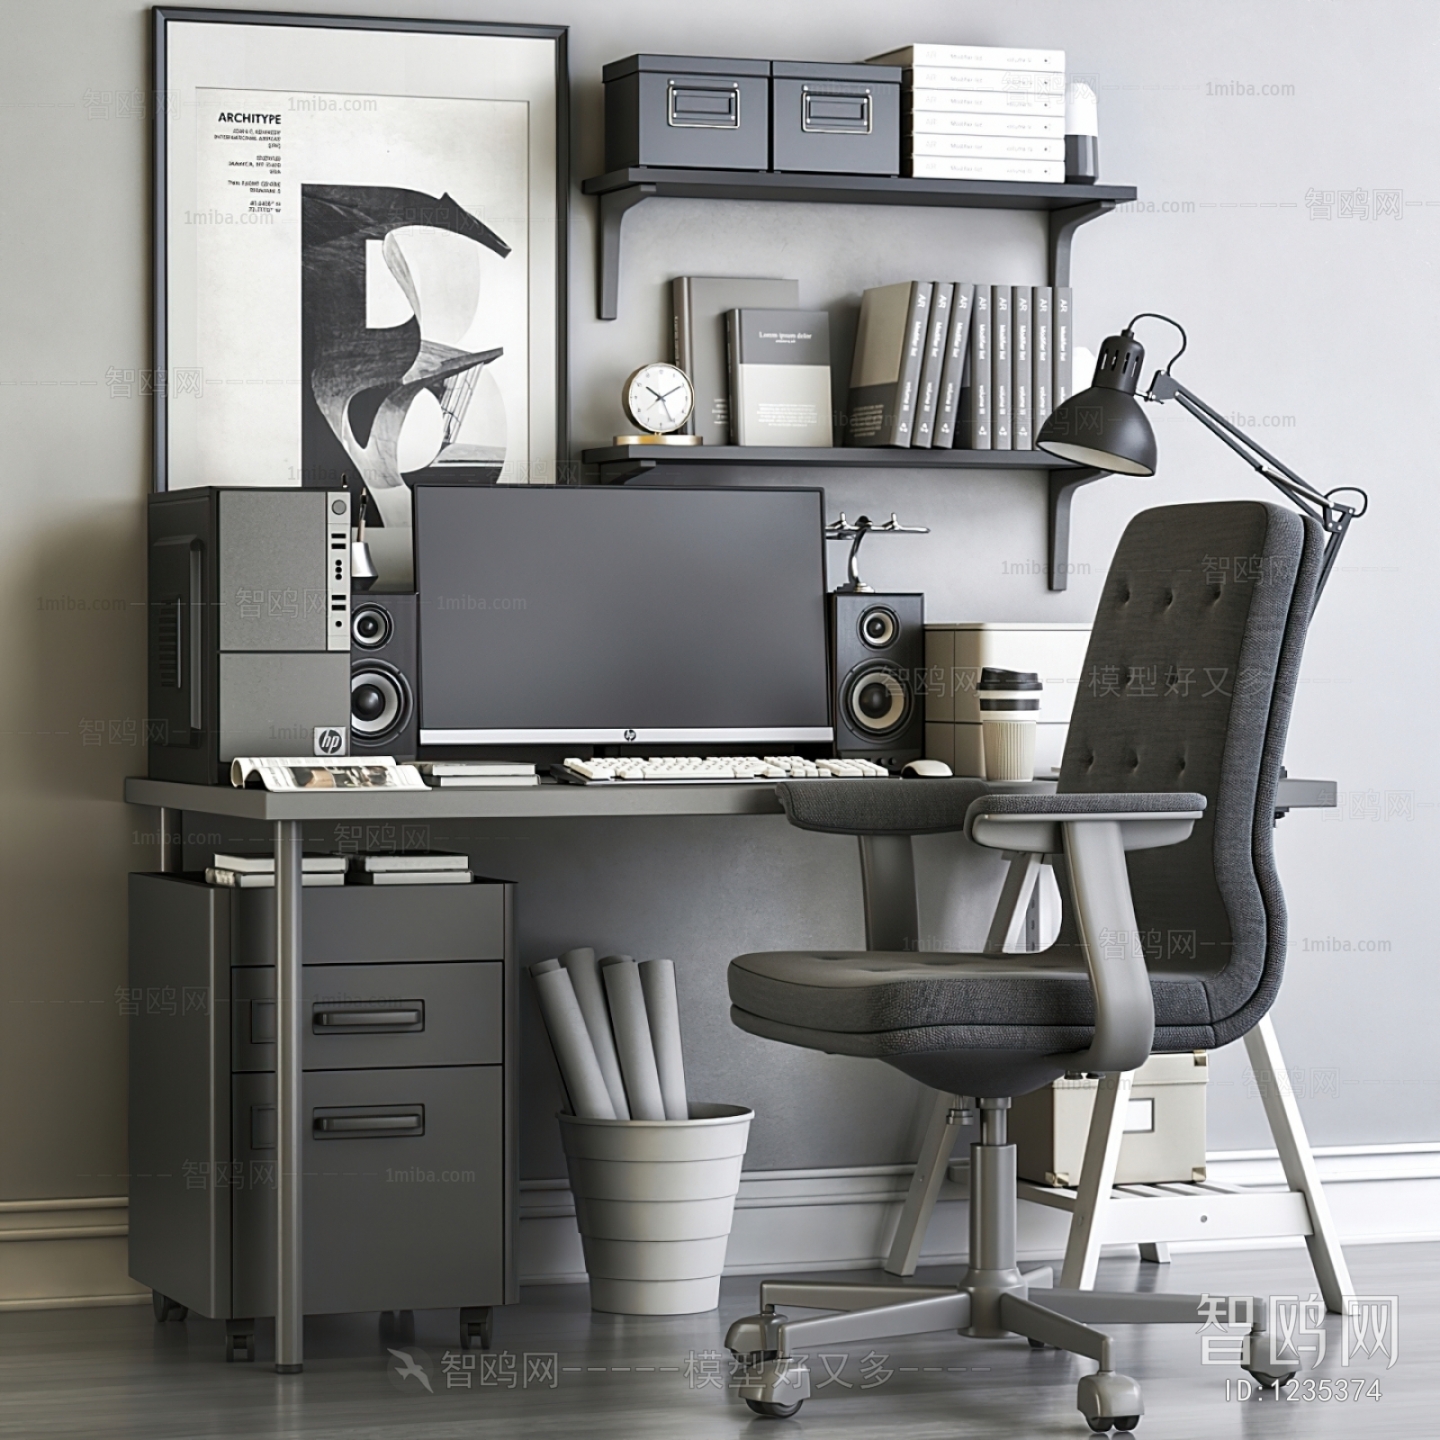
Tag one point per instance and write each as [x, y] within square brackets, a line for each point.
[265, 864]
[417, 877]
[961, 122]
[475, 767]
[236, 880]
[944, 167]
[1007, 82]
[987, 147]
[415, 860]
[973, 57]
[484, 782]
[982, 102]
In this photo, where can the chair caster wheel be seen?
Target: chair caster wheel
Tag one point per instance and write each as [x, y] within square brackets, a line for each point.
[773, 1410]
[1109, 1401]
[167, 1309]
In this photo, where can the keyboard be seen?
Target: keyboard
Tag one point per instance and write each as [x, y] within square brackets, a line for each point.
[718, 769]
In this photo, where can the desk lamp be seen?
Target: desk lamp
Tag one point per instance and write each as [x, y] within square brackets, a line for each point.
[1105, 427]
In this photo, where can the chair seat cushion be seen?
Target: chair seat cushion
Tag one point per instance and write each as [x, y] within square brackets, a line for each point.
[857, 993]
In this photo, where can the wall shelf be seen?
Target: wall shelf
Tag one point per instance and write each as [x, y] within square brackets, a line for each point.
[619, 464]
[1068, 206]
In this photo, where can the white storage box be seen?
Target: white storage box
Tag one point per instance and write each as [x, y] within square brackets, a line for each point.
[954, 658]
[1164, 1127]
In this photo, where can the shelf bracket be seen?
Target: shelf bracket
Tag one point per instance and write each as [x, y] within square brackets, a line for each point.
[622, 472]
[1063, 485]
[1062, 227]
[614, 204]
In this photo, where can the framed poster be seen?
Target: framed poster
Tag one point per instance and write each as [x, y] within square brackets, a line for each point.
[360, 237]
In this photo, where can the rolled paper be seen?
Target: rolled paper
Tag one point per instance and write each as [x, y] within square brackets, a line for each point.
[662, 1008]
[590, 992]
[571, 1041]
[632, 1037]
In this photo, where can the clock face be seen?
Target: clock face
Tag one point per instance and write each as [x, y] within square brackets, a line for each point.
[658, 398]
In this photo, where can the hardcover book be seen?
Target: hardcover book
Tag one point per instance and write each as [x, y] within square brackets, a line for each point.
[701, 303]
[1022, 369]
[1042, 302]
[780, 377]
[1002, 420]
[1010, 82]
[982, 102]
[976, 414]
[960, 167]
[952, 375]
[889, 354]
[988, 147]
[1062, 348]
[960, 122]
[933, 363]
[974, 57]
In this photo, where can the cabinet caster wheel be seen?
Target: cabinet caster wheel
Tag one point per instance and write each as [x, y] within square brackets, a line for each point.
[239, 1341]
[477, 1327]
[1035, 1344]
[773, 1410]
[167, 1309]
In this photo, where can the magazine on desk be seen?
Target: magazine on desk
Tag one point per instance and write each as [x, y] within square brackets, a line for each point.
[282, 772]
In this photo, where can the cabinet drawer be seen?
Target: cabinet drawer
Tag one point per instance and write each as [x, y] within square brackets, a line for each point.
[404, 1198]
[363, 1017]
[372, 924]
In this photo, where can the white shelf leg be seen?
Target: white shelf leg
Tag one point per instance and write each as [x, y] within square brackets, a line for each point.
[1097, 1176]
[1157, 1252]
[935, 1148]
[1299, 1163]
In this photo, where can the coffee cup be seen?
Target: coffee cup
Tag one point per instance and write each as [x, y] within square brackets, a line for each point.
[1009, 708]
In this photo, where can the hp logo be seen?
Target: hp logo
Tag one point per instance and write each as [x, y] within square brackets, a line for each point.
[629, 734]
[329, 740]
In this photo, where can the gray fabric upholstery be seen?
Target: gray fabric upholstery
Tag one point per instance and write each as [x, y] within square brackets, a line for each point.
[1188, 681]
[881, 807]
[1119, 803]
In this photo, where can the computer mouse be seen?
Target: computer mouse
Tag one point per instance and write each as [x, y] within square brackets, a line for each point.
[925, 769]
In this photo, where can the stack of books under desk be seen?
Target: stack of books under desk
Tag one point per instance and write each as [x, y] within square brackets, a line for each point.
[477, 774]
[414, 868]
[257, 872]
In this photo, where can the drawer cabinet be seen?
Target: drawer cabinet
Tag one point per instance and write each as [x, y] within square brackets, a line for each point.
[409, 1150]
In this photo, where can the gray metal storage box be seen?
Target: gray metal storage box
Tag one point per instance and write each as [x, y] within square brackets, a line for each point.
[687, 111]
[835, 119]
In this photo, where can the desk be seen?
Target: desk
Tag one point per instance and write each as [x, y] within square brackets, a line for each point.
[286, 812]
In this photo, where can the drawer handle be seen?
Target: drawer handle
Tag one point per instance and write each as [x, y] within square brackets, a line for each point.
[825, 113]
[705, 107]
[407, 1015]
[370, 1125]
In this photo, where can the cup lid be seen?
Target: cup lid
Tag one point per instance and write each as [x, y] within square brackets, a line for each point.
[993, 678]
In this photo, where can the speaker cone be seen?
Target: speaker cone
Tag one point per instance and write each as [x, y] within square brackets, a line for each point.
[371, 627]
[879, 627]
[380, 702]
[877, 700]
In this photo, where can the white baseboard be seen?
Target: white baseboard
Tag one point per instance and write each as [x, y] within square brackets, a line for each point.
[63, 1254]
[843, 1219]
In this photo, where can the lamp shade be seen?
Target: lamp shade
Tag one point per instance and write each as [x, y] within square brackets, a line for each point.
[1104, 426]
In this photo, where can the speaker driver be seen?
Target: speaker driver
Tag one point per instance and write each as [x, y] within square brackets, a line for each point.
[380, 702]
[371, 627]
[879, 627]
[877, 701]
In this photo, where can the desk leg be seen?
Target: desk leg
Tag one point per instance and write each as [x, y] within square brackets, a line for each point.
[289, 1261]
[172, 840]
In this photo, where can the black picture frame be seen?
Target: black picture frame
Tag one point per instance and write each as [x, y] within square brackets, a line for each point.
[164, 17]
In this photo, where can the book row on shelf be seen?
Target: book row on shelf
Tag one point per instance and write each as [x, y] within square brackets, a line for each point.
[937, 364]
[257, 872]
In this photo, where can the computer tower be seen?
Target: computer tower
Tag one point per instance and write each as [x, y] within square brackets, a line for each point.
[249, 628]
[878, 648]
[383, 682]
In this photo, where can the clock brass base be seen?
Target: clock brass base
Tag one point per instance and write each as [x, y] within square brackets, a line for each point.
[659, 439]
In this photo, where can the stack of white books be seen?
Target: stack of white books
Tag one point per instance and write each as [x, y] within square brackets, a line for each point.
[982, 112]
[477, 774]
[430, 867]
[257, 872]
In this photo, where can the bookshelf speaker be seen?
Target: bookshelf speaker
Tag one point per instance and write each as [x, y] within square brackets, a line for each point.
[878, 649]
[382, 676]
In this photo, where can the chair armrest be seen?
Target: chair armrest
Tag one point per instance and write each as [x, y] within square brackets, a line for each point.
[886, 807]
[1032, 823]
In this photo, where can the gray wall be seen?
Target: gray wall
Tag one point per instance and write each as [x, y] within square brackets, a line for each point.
[1323, 327]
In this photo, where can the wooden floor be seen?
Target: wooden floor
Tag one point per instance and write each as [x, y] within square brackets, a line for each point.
[559, 1371]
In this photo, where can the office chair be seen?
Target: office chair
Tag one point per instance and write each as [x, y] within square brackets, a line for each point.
[1173, 937]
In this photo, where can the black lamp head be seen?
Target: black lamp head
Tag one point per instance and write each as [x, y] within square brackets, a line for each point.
[1104, 426]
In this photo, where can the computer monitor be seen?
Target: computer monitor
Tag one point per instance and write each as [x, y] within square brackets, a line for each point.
[630, 617]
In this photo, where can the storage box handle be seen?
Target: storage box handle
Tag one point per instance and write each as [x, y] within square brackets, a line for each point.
[369, 1122]
[705, 107]
[831, 112]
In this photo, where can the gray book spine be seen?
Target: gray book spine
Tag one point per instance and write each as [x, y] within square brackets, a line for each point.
[1062, 348]
[947, 408]
[1022, 322]
[682, 336]
[1002, 431]
[978, 413]
[1042, 303]
[917, 326]
[934, 363]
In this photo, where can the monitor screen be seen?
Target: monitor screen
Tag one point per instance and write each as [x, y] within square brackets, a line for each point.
[565, 615]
